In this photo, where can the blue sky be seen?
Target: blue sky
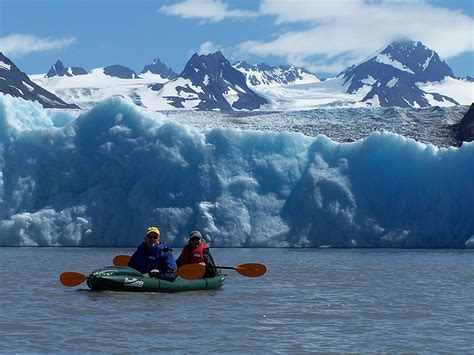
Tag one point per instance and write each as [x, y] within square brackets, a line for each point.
[323, 36]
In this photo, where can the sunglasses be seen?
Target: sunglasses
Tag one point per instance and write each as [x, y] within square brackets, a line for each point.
[153, 236]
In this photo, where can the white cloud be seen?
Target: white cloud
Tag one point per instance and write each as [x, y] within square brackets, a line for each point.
[208, 10]
[353, 29]
[209, 47]
[21, 44]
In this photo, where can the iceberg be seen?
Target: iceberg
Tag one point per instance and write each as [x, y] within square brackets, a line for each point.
[101, 177]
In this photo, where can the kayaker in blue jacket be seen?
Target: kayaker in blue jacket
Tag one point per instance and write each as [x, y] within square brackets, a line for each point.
[154, 258]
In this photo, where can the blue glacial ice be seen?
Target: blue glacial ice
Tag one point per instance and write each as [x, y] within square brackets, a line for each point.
[100, 177]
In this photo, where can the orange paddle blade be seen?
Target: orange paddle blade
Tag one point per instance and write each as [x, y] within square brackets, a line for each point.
[71, 279]
[121, 260]
[251, 269]
[191, 271]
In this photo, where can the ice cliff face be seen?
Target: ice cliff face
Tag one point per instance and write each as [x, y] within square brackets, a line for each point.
[103, 177]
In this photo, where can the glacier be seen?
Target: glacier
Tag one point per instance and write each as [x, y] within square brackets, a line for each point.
[101, 177]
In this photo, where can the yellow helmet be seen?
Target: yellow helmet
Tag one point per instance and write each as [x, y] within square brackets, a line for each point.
[152, 230]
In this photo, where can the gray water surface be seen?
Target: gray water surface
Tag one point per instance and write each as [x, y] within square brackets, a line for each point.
[309, 300]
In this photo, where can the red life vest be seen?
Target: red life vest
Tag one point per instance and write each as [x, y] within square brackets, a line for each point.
[192, 256]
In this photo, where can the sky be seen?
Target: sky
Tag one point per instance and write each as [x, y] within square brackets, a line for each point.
[323, 36]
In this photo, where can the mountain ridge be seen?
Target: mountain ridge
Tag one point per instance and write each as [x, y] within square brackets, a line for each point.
[211, 82]
[404, 73]
[17, 84]
[408, 62]
[265, 74]
[58, 69]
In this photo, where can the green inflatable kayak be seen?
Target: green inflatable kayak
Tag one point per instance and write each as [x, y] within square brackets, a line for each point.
[122, 278]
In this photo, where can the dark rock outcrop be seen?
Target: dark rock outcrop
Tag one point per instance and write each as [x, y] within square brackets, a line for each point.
[464, 130]
[120, 71]
[156, 86]
[58, 69]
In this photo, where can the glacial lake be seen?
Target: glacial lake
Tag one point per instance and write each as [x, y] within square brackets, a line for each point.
[310, 300]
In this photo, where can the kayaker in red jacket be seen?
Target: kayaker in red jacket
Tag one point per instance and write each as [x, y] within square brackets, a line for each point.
[197, 252]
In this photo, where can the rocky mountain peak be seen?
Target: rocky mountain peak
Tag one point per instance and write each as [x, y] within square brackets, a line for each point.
[158, 67]
[394, 71]
[58, 69]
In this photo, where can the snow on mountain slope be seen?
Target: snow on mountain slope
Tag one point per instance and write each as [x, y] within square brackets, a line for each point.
[209, 82]
[461, 90]
[393, 76]
[402, 74]
[86, 90]
[307, 96]
[166, 98]
[394, 72]
[271, 75]
[16, 83]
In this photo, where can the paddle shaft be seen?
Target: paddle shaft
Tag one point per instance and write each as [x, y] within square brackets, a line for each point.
[248, 269]
[224, 267]
[124, 259]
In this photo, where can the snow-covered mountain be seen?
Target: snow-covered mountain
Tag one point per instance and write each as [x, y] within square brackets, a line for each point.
[264, 74]
[158, 67]
[403, 74]
[100, 83]
[17, 84]
[390, 77]
[58, 69]
[208, 82]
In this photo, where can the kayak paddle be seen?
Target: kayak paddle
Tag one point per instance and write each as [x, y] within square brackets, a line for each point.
[191, 271]
[71, 279]
[121, 260]
[188, 272]
[249, 269]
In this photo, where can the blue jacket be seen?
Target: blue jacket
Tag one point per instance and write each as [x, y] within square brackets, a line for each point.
[159, 257]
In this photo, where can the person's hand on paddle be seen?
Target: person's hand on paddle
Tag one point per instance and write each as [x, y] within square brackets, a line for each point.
[154, 273]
